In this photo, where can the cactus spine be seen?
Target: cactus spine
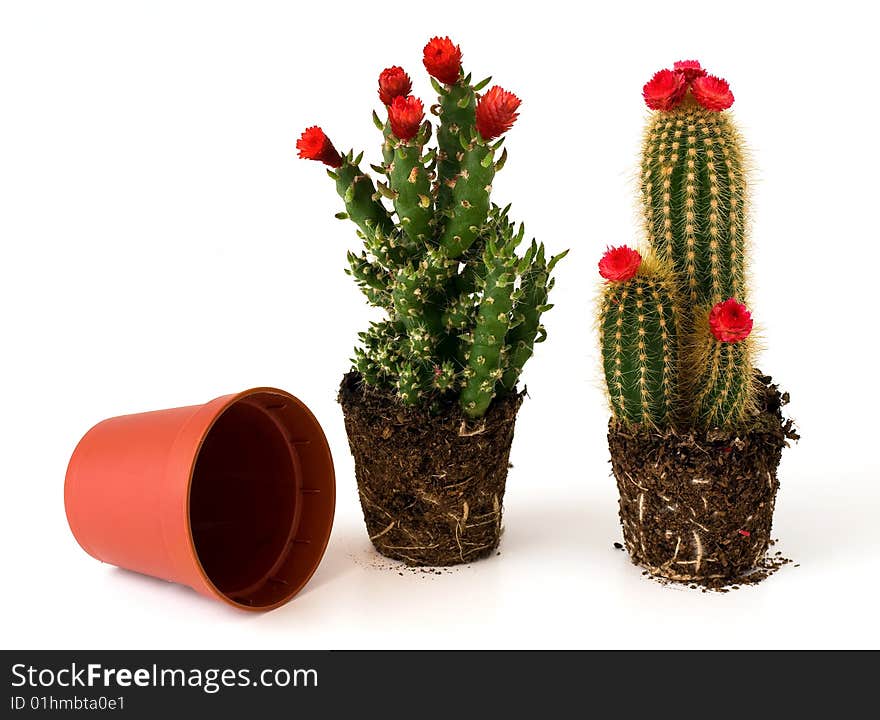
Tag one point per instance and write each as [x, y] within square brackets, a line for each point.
[464, 309]
[674, 334]
[723, 384]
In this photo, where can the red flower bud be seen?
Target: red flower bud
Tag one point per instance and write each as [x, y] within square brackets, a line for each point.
[690, 69]
[665, 90]
[393, 81]
[443, 60]
[619, 264]
[713, 93]
[406, 115]
[496, 112]
[730, 321]
[313, 144]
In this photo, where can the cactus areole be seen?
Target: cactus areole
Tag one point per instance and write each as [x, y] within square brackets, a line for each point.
[696, 431]
[463, 295]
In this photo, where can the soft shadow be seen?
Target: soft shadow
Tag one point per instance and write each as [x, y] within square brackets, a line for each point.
[826, 525]
[580, 523]
[337, 561]
[171, 592]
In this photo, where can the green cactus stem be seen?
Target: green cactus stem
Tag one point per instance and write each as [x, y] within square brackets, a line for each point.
[413, 304]
[456, 110]
[381, 353]
[725, 395]
[410, 383]
[638, 330]
[721, 370]
[527, 329]
[445, 377]
[484, 355]
[410, 187]
[693, 188]
[470, 197]
[372, 279]
[359, 195]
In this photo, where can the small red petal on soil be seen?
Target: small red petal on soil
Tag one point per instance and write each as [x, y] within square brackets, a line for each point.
[745, 533]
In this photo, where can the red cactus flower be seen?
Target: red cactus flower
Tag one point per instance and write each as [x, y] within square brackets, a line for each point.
[665, 90]
[393, 81]
[690, 69]
[313, 144]
[443, 60]
[406, 115]
[496, 112]
[730, 321]
[713, 93]
[619, 264]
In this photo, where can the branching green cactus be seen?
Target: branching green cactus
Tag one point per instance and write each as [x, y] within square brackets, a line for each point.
[464, 309]
[693, 188]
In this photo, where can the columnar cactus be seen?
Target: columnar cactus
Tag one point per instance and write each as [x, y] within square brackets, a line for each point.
[464, 308]
[722, 375]
[639, 335]
[674, 335]
[693, 183]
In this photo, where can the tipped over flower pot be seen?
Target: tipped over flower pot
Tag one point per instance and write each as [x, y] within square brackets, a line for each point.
[431, 402]
[696, 432]
[234, 498]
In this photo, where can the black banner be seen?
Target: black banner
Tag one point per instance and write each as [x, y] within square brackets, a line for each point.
[460, 684]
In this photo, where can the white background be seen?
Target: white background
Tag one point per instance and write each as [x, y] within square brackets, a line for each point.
[162, 245]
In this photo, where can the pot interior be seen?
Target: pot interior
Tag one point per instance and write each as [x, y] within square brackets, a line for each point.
[243, 502]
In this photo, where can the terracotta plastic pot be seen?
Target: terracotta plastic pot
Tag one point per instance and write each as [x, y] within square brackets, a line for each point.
[234, 498]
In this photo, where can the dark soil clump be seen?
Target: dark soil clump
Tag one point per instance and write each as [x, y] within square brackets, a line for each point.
[697, 507]
[431, 485]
